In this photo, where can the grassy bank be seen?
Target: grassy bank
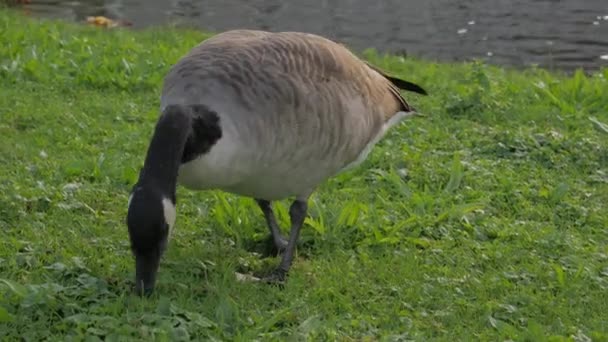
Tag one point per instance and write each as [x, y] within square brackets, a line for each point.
[484, 220]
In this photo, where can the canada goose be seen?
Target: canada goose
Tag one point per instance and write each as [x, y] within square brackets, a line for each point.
[263, 115]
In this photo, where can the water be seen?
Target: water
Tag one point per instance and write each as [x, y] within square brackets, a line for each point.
[554, 34]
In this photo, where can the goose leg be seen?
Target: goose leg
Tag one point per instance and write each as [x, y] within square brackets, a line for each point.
[279, 241]
[297, 214]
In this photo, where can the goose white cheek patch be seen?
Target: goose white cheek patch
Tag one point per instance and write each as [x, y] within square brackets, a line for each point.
[169, 213]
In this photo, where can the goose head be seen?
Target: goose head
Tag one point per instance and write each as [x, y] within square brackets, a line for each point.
[150, 219]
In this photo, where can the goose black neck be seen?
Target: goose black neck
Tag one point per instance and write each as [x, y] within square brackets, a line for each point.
[165, 150]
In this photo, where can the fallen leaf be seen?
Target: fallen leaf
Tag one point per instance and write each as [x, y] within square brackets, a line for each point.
[245, 277]
[107, 22]
[101, 21]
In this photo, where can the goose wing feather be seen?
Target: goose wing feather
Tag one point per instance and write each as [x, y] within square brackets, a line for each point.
[290, 103]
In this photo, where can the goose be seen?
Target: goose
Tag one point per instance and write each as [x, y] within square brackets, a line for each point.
[264, 115]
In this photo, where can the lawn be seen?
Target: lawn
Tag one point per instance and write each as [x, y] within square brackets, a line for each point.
[485, 219]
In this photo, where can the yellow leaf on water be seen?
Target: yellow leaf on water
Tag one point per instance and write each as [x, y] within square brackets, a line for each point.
[106, 22]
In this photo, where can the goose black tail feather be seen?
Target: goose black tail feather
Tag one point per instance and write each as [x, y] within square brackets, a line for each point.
[406, 85]
[399, 83]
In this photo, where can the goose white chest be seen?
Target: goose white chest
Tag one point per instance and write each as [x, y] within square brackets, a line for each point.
[255, 169]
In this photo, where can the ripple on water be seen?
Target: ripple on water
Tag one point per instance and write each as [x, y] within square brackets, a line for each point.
[514, 31]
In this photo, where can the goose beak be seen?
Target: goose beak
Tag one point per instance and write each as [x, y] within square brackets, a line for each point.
[146, 267]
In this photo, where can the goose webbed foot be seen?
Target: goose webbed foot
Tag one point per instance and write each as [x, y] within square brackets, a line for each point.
[276, 277]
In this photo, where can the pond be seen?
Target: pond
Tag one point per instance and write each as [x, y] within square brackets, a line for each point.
[553, 34]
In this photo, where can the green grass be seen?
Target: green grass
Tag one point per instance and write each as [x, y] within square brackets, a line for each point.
[486, 219]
